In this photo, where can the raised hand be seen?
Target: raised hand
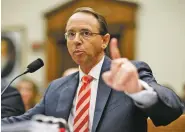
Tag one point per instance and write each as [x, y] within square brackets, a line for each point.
[123, 75]
[114, 51]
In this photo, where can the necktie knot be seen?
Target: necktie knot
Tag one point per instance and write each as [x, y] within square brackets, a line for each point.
[87, 79]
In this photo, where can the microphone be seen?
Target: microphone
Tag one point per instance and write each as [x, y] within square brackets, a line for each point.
[32, 67]
[50, 120]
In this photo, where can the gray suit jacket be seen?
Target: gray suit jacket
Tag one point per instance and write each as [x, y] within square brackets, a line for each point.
[11, 102]
[114, 111]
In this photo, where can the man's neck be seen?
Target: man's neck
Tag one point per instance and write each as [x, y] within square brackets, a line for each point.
[86, 68]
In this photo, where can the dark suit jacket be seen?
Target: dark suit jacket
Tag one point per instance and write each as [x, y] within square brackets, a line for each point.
[114, 111]
[11, 103]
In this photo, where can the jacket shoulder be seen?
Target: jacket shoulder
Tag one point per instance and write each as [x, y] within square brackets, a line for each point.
[60, 81]
[141, 65]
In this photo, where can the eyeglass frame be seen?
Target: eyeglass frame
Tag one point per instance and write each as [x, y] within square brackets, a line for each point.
[82, 31]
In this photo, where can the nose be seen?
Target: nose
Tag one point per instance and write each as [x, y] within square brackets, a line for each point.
[77, 39]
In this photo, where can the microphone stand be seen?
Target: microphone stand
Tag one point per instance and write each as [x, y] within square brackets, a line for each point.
[13, 80]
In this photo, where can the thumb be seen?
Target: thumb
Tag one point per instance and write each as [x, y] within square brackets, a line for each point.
[114, 51]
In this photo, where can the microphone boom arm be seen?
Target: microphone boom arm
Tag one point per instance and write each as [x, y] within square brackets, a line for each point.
[12, 81]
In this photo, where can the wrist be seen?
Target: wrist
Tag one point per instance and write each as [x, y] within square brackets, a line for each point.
[140, 87]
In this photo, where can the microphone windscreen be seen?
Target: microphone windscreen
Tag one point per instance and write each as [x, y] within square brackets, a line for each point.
[35, 65]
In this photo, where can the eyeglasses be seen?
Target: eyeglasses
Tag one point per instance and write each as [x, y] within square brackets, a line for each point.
[84, 34]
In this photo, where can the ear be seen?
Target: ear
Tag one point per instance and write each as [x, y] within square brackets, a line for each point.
[106, 39]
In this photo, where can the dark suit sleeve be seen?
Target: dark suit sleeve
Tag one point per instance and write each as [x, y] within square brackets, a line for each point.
[38, 109]
[11, 103]
[169, 107]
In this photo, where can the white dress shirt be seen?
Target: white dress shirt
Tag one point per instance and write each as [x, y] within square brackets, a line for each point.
[142, 99]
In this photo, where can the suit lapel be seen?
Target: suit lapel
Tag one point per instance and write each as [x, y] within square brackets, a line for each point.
[102, 95]
[65, 100]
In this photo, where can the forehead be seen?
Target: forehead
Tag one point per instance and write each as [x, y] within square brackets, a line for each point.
[82, 20]
[25, 84]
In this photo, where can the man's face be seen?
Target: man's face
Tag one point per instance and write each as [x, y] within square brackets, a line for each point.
[84, 50]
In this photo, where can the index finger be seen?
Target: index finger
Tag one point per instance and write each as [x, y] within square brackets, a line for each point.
[114, 51]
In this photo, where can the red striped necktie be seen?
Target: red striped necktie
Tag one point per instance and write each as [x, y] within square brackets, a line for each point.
[81, 120]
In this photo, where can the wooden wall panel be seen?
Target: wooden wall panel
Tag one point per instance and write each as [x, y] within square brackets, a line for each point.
[115, 12]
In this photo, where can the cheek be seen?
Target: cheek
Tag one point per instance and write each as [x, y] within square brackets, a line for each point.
[69, 48]
[96, 47]
[90, 45]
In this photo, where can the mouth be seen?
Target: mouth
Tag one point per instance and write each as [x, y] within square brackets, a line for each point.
[78, 52]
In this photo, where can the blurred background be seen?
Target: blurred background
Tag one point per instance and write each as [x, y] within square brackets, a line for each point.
[149, 30]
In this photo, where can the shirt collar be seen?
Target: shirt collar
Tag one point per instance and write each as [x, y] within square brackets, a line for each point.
[94, 72]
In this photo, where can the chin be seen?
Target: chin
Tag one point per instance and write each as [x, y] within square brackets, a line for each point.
[80, 61]
[77, 61]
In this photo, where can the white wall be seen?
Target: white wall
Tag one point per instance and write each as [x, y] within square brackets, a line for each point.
[161, 39]
[160, 36]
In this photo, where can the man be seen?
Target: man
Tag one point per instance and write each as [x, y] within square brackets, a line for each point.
[116, 95]
[11, 102]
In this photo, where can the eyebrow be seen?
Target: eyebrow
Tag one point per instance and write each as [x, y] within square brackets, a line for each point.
[83, 29]
[71, 30]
